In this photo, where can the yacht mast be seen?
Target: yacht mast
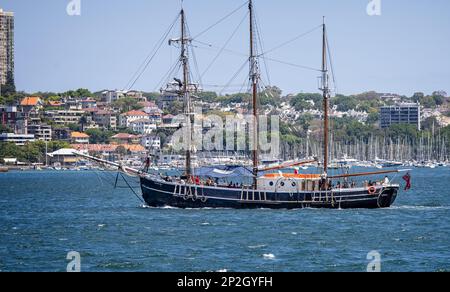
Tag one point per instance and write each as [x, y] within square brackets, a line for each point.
[186, 94]
[326, 96]
[254, 76]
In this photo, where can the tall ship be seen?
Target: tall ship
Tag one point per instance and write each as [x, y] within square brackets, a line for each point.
[270, 187]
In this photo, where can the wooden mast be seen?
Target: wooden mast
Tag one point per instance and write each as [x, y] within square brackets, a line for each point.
[254, 78]
[326, 92]
[185, 92]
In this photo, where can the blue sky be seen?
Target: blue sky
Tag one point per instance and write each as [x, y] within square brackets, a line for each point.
[404, 50]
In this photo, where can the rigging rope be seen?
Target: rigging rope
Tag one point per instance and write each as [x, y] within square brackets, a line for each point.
[221, 20]
[294, 65]
[225, 45]
[292, 40]
[261, 43]
[195, 58]
[175, 67]
[235, 76]
[150, 57]
[211, 47]
[131, 188]
[331, 66]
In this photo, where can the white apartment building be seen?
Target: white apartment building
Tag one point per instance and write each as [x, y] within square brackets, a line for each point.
[143, 126]
[126, 119]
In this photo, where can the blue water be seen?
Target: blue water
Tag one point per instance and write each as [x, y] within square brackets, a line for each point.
[45, 215]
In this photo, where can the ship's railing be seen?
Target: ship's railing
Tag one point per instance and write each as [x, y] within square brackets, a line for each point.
[252, 195]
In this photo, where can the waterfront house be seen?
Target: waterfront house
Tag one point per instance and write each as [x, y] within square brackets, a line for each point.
[65, 157]
[79, 138]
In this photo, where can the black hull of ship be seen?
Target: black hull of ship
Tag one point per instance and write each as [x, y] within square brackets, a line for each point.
[162, 194]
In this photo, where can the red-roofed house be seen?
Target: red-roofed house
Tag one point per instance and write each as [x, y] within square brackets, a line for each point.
[55, 103]
[124, 138]
[79, 138]
[126, 118]
[31, 103]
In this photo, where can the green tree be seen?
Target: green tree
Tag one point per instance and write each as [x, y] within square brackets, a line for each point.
[10, 150]
[403, 130]
[307, 101]
[429, 123]
[175, 108]
[370, 95]
[152, 96]
[127, 104]
[207, 96]
[418, 96]
[235, 98]
[374, 117]
[439, 97]
[97, 136]
[345, 103]
[74, 127]
[301, 103]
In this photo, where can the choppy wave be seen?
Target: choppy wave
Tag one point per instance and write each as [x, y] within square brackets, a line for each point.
[419, 208]
[269, 256]
[257, 246]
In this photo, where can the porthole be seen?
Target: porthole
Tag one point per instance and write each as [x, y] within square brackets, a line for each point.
[282, 184]
[271, 184]
[294, 184]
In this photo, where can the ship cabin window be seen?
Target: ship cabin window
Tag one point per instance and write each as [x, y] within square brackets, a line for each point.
[271, 184]
[282, 184]
[294, 184]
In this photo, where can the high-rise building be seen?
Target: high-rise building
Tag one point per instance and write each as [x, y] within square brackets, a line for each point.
[6, 45]
[406, 113]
